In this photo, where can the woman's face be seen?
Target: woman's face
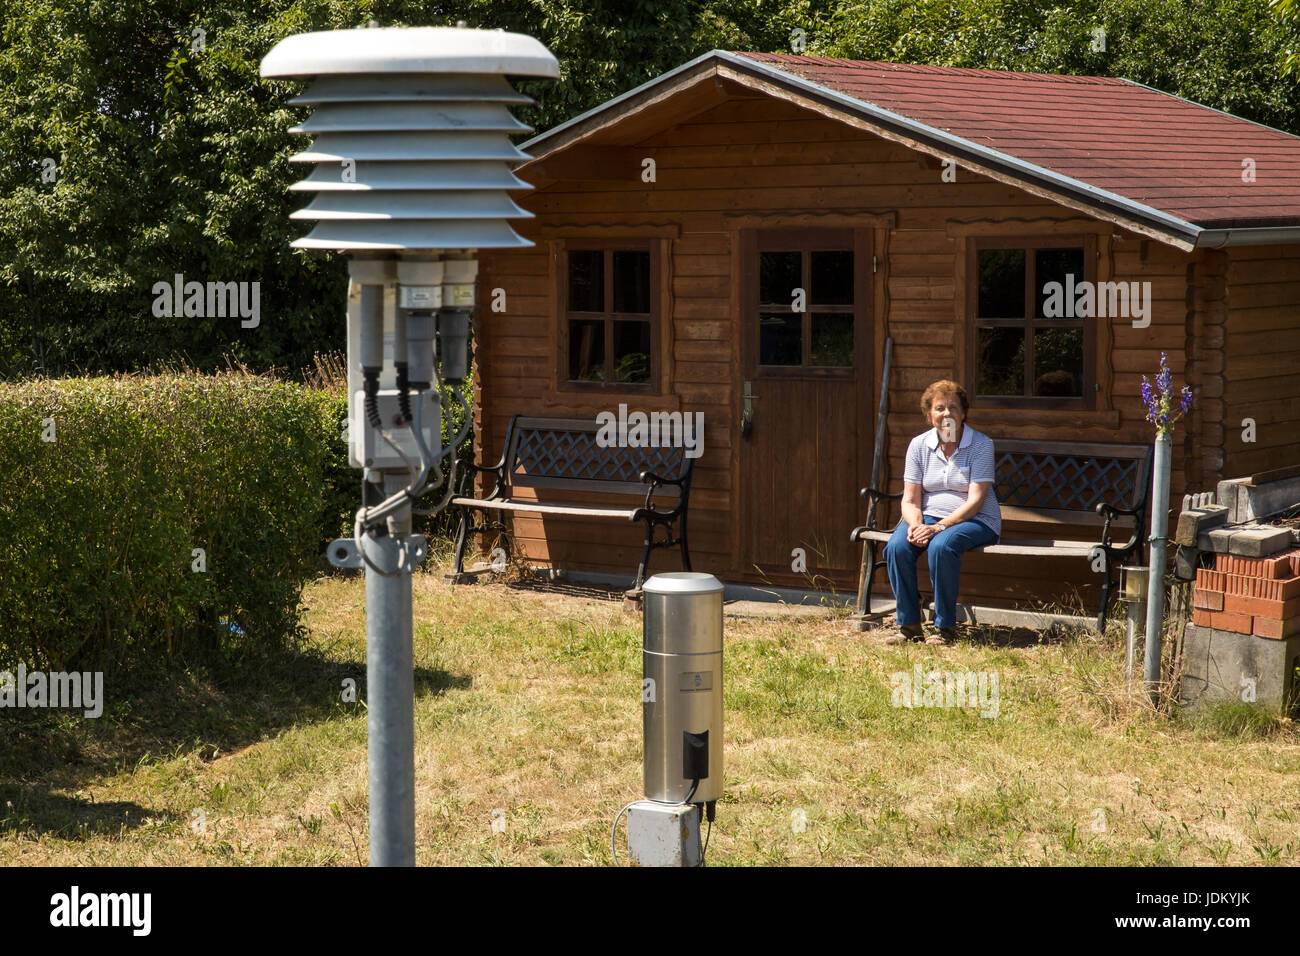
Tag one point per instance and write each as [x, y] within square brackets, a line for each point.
[946, 415]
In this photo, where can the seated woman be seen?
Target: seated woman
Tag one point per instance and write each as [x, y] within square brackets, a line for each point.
[949, 507]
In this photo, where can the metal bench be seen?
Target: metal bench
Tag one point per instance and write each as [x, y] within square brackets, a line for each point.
[563, 454]
[1049, 483]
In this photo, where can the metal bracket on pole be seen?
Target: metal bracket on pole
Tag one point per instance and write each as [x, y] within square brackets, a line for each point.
[344, 553]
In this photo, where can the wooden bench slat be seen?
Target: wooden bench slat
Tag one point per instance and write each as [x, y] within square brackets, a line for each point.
[1017, 546]
[506, 504]
[1056, 516]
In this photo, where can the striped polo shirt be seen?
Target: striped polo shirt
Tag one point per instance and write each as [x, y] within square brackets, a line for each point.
[944, 482]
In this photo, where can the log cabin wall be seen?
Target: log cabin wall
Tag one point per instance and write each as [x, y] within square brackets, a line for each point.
[761, 157]
[1261, 358]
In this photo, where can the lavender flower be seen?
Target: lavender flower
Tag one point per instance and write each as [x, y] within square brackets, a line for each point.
[1159, 399]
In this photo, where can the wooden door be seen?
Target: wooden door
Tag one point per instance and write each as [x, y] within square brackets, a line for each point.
[807, 359]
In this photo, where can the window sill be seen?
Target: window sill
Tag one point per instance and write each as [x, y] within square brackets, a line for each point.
[608, 398]
[1055, 417]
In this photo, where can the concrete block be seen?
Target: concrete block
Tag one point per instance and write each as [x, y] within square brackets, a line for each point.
[1225, 666]
[1247, 502]
[1258, 542]
[1185, 563]
[1220, 539]
[1271, 497]
[1192, 523]
[1231, 495]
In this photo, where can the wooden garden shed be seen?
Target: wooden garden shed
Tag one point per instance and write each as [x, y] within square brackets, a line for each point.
[927, 204]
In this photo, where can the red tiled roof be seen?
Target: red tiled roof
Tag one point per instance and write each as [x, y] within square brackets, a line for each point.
[1167, 153]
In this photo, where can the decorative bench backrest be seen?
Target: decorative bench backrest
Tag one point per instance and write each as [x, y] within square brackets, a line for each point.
[1068, 477]
[565, 453]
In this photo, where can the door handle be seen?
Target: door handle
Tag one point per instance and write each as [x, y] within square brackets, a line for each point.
[747, 419]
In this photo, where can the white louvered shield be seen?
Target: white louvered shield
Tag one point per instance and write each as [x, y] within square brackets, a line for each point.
[410, 135]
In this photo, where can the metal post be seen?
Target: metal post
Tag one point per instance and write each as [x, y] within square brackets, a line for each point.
[1156, 582]
[390, 691]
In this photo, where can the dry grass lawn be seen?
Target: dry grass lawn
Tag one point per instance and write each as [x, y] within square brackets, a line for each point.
[528, 707]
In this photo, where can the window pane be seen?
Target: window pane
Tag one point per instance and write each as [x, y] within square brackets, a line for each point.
[1001, 361]
[586, 280]
[832, 279]
[1053, 265]
[780, 339]
[632, 281]
[832, 338]
[587, 350]
[1001, 284]
[778, 275]
[631, 351]
[1058, 362]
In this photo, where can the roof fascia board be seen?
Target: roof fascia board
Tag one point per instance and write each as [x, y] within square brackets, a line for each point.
[1145, 219]
[572, 129]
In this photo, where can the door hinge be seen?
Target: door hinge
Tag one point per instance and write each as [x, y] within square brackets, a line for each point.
[875, 266]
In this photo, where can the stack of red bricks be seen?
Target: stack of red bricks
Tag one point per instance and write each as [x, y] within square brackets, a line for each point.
[1259, 596]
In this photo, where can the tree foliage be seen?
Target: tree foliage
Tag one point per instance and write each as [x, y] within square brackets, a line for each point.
[138, 142]
[1228, 54]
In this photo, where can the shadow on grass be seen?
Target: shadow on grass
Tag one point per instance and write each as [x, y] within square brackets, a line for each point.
[203, 709]
[992, 635]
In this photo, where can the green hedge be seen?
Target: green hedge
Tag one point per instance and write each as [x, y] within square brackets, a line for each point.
[97, 528]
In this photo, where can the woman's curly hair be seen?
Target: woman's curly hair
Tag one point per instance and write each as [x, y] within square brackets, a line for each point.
[943, 387]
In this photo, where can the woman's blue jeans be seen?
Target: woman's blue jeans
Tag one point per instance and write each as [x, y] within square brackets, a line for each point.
[946, 549]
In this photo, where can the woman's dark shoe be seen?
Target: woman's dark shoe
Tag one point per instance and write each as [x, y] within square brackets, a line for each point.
[906, 634]
[946, 635]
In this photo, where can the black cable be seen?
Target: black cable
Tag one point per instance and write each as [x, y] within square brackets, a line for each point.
[711, 809]
[403, 392]
[370, 378]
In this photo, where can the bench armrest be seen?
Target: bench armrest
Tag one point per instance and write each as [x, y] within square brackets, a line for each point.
[869, 493]
[873, 497]
[498, 471]
[655, 480]
[1109, 513]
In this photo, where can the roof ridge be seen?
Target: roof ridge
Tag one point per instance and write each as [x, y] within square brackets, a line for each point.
[793, 59]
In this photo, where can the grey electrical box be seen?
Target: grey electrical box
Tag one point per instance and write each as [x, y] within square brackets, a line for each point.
[373, 450]
[659, 835]
[682, 687]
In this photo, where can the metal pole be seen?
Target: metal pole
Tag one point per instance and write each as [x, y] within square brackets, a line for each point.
[877, 458]
[883, 414]
[1156, 578]
[390, 691]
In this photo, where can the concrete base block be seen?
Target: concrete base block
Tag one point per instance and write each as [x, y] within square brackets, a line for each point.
[1245, 502]
[1223, 665]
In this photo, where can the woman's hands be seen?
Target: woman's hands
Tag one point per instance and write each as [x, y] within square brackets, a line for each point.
[920, 534]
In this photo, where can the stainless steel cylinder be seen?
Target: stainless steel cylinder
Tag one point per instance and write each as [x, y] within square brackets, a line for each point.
[681, 689]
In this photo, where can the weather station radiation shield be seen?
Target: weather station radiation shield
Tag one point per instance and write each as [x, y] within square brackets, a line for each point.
[410, 135]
